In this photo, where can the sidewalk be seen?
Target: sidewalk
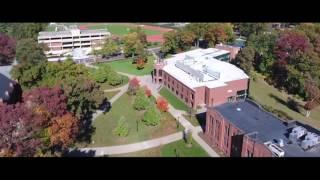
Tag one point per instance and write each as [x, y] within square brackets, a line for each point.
[128, 148]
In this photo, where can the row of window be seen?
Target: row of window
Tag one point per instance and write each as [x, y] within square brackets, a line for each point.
[75, 37]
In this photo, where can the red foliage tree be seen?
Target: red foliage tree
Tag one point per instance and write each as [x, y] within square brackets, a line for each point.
[134, 85]
[290, 44]
[147, 91]
[18, 126]
[51, 99]
[7, 49]
[162, 104]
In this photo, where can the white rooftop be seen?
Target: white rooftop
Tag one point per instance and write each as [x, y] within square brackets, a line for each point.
[198, 68]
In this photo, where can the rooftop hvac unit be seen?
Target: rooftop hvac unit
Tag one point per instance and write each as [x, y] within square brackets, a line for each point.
[310, 141]
[212, 73]
[195, 73]
[276, 150]
[297, 133]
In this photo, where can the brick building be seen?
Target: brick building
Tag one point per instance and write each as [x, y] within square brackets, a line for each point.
[243, 129]
[232, 49]
[202, 77]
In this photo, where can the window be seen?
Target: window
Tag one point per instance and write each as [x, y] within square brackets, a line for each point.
[160, 72]
[177, 92]
[192, 96]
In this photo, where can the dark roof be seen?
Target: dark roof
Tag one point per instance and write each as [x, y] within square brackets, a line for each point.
[251, 118]
[5, 86]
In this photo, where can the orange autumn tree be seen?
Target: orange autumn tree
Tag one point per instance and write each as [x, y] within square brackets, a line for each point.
[140, 63]
[162, 104]
[64, 130]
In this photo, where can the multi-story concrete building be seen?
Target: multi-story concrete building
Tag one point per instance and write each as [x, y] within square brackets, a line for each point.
[244, 129]
[61, 42]
[201, 77]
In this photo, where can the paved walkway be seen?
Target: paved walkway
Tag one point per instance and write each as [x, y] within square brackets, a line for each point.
[128, 148]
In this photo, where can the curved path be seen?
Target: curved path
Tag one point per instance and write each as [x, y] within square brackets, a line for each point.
[128, 148]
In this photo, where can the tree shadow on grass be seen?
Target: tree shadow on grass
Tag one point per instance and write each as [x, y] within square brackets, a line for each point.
[78, 153]
[291, 104]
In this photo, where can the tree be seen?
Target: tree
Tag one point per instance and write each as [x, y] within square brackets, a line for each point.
[141, 35]
[140, 64]
[141, 101]
[29, 75]
[199, 30]
[245, 58]
[17, 129]
[246, 29]
[290, 45]
[131, 44]
[7, 49]
[84, 96]
[185, 39]
[63, 131]
[109, 48]
[114, 78]
[313, 94]
[26, 30]
[101, 74]
[218, 33]
[26, 128]
[162, 104]
[51, 99]
[170, 44]
[122, 128]
[134, 85]
[29, 51]
[151, 117]
[57, 72]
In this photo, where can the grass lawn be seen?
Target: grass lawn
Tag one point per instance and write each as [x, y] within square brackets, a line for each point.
[173, 100]
[105, 124]
[120, 29]
[110, 94]
[168, 150]
[192, 120]
[106, 85]
[126, 66]
[265, 94]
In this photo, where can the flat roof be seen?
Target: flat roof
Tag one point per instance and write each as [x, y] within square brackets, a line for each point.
[251, 118]
[68, 32]
[199, 60]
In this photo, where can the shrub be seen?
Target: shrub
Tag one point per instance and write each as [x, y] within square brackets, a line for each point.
[151, 117]
[141, 102]
[122, 128]
[162, 104]
[188, 137]
[114, 78]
